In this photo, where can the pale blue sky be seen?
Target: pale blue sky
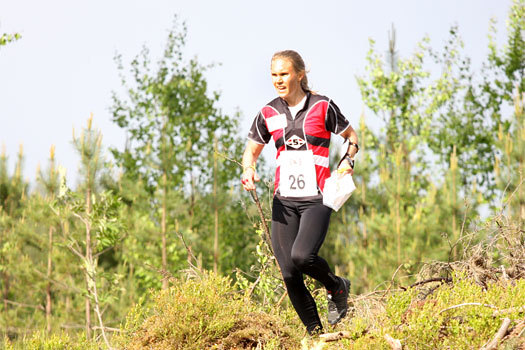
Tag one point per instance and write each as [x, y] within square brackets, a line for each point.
[62, 69]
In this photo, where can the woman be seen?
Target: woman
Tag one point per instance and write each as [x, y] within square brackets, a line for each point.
[300, 123]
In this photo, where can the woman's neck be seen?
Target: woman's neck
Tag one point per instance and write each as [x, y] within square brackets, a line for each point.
[295, 98]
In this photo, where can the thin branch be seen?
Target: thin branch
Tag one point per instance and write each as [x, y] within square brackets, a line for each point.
[84, 221]
[228, 158]
[508, 311]
[63, 285]
[467, 304]
[435, 279]
[391, 281]
[40, 307]
[252, 288]
[99, 314]
[281, 299]
[76, 252]
[395, 344]
[499, 335]
[96, 255]
[328, 337]
[263, 220]
[108, 329]
[72, 326]
[514, 192]
[190, 253]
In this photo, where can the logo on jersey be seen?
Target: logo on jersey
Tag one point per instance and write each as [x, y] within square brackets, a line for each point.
[295, 142]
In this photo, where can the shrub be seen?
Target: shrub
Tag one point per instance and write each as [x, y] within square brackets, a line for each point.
[202, 313]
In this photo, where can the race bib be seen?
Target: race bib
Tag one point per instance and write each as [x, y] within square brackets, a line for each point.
[276, 122]
[297, 174]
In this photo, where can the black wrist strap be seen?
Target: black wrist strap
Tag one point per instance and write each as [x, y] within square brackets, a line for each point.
[355, 145]
[347, 157]
[350, 143]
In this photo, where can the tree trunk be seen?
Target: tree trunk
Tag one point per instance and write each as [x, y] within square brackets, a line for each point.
[216, 209]
[455, 234]
[5, 277]
[89, 257]
[163, 229]
[48, 288]
[398, 214]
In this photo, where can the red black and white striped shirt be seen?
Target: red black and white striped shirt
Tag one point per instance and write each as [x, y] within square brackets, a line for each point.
[309, 130]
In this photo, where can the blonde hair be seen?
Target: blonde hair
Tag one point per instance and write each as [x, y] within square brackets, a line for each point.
[297, 64]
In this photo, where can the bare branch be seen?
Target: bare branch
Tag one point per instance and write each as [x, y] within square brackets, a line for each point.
[82, 257]
[395, 344]
[107, 329]
[391, 281]
[190, 253]
[39, 307]
[508, 311]
[435, 279]
[467, 304]
[499, 335]
[328, 337]
[63, 285]
[96, 255]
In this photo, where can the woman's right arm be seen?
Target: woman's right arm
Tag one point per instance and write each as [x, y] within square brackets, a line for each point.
[249, 158]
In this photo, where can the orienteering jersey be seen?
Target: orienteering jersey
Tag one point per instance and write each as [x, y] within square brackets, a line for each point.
[309, 130]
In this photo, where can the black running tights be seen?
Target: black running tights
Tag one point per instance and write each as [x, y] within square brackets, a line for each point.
[298, 230]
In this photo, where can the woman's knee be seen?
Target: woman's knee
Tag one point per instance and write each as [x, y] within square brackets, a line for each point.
[301, 260]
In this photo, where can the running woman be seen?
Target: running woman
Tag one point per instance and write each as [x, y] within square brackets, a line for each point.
[300, 123]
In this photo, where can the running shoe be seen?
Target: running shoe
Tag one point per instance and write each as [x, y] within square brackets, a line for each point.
[338, 302]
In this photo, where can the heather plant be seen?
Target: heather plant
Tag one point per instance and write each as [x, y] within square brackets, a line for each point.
[200, 312]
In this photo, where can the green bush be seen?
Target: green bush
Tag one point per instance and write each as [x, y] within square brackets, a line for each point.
[459, 315]
[202, 313]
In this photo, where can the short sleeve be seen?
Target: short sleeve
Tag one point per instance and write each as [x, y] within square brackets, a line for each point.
[259, 131]
[335, 121]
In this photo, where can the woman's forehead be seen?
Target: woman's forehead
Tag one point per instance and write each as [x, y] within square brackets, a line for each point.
[281, 64]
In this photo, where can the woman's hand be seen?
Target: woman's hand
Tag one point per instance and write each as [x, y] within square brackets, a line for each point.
[345, 168]
[249, 177]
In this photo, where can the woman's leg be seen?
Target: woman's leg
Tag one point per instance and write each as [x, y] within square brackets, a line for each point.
[313, 226]
[285, 226]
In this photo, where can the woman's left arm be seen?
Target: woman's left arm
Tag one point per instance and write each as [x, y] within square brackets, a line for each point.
[347, 164]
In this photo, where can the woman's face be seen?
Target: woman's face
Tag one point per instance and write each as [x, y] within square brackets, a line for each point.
[285, 79]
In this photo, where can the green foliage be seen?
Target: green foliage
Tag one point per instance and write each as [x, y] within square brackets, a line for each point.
[437, 159]
[436, 320]
[170, 118]
[61, 341]
[175, 131]
[267, 288]
[7, 38]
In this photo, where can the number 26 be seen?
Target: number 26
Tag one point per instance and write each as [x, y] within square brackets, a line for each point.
[299, 181]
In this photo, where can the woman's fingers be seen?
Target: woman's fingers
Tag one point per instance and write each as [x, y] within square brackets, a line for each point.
[248, 180]
[345, 168]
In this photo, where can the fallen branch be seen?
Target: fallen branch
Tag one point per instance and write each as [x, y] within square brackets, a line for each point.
[499, 335]
[467, 304]
[508, 311]
[435, 279]
[395, 344]
[328, 337]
